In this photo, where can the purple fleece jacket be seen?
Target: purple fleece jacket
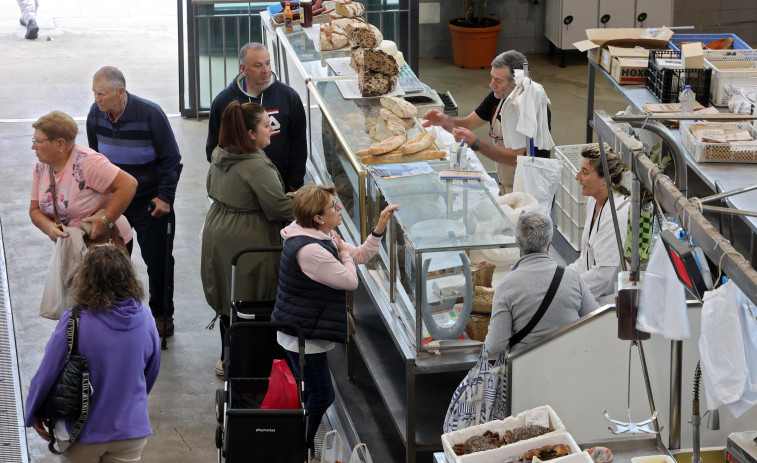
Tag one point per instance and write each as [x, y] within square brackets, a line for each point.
[122, 348]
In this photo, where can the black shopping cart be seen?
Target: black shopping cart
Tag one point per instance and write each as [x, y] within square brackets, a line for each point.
[245, 433]
[249, 310]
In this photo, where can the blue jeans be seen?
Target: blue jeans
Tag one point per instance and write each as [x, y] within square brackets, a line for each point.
[319, 389]
[155, 245]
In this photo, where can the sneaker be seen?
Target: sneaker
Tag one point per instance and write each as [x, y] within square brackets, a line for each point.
[169, 326]
[32, 29]
[219, 368]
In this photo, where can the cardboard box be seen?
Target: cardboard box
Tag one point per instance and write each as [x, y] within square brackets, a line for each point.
[607, 55]
[629, 70]
[623, 37]
[692, 55]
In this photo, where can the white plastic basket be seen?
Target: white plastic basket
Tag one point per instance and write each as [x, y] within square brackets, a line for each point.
[570, 214]
[519, 448]
[731, 72]
[717, 152]
[450, 439]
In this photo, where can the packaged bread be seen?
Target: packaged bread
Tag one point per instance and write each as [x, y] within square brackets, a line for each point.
[332, 38]
[348, 8]
[428, 154]
[373, 83]
[418, 143]
[386, 114]
[377, 60]
[383, 146]
[365, 35]
[482, 299]
[399, 106]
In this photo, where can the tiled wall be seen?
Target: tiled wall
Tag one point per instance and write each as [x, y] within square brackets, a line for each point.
[719, 16]
[523, 22]
[522, 26]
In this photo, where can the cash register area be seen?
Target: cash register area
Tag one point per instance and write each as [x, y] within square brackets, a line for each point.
[77, 37]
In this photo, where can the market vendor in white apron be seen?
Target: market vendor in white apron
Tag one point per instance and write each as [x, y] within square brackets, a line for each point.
[506, 143]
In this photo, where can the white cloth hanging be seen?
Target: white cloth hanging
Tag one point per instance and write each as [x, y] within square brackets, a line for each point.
[524, 115]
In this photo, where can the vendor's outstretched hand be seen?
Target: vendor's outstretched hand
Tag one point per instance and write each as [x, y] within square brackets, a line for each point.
[461, 133]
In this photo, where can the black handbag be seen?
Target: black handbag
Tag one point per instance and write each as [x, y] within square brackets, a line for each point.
[69, 396]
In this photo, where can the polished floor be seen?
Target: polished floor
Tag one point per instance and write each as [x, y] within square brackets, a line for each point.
[139, 36]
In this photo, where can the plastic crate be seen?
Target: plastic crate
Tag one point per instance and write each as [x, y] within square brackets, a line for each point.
[731, 74]
[666, 84]
[570, 214]
[678, 39]
[717, 152]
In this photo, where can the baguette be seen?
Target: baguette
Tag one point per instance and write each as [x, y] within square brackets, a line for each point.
[425, 155]
[398, 106]
[419, 143]
[383, 146]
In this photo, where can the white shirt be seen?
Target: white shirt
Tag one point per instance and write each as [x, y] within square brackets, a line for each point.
[599, 262]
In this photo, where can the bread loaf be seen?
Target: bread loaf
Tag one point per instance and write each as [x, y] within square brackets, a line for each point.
[384, 129]
[383, 146]
[407, 123]
[482, 273]
[365, 35]
[332, 38]
[356, 58]
[348, 8]
[482, 299]
[379, 61]
[425, 155]
[419, 143]
[346, 23]
[373, 83]
[399, 106]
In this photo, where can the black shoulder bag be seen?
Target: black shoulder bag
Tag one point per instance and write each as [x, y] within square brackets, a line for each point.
[523, 332]
[69, 396]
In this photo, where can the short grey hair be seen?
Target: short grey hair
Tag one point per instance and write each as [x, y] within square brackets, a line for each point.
[113, 75]
[511, 60]
[247, 47]
[533, 232]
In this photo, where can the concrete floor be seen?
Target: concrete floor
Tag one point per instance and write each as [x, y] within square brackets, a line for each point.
[139, 37]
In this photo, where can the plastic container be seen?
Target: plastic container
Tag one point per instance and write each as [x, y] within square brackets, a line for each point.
[570, 213]
[288, 18]
[678, 39]
[732, 73]
[687, 100]
[666, 84]
[717, 152]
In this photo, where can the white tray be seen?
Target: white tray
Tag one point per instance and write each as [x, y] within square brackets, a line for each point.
[351, 91]
[519, 448]
[499, 426]
[341, 66]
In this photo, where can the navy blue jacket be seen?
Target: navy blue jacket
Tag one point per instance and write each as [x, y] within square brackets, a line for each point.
[320, 310]
[141, 143]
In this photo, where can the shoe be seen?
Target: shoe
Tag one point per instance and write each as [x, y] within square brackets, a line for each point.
[219, 368]
[169, 326]
[32, 29]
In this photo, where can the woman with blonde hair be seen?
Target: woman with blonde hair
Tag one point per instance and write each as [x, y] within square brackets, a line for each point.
[117, 336]
[317, 270]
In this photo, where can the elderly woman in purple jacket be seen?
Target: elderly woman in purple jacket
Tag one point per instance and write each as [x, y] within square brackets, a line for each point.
[119, 339]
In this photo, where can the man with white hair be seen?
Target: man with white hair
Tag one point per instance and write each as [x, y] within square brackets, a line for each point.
[525, 309]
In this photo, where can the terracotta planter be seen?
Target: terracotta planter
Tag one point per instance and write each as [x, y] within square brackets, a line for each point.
[474, 47]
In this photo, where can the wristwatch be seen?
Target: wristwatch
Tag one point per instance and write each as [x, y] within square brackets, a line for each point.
[476, 145]
[377, 235]
[107, 222]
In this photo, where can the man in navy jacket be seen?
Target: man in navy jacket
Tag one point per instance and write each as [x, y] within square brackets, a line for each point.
[135, 135]
[257, 84]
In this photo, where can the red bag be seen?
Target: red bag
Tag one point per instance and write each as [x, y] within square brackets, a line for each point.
[282, 389]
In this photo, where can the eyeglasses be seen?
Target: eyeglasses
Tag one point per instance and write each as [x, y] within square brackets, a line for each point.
[333, 205]
[39, 142]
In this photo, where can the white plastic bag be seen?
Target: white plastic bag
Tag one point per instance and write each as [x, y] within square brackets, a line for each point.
[721, 346]
[360, 454]
[54, 297]
[748, 318]
[662, 306]
[333, 449]
[481, 396]
[539, 177]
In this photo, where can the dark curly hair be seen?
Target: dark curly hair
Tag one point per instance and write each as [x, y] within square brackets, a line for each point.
[614, 164]
[105, 276]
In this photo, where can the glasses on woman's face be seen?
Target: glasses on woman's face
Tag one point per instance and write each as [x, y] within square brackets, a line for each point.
[334, 206]
[39, 141]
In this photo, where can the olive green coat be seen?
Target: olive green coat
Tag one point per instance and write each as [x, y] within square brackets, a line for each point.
[249, 208]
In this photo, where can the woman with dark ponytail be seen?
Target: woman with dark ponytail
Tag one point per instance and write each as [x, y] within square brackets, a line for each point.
[249, 208]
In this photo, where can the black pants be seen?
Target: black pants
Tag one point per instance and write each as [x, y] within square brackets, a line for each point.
[156, 245]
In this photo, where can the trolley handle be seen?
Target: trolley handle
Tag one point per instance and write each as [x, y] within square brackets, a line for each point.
[255, 249]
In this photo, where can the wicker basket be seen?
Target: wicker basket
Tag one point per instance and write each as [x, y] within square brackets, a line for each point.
[717, 152]
[477, 327]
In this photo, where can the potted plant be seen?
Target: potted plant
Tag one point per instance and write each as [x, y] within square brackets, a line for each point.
[474, 36]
